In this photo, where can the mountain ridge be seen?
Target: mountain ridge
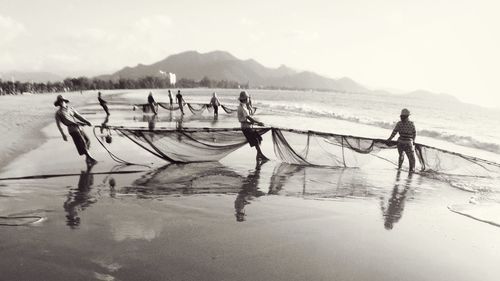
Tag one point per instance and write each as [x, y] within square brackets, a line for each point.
[221, 65]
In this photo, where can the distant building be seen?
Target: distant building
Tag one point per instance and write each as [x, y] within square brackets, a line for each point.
[172, 78]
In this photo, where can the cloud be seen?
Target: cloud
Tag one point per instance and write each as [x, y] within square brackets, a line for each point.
[10, 29]
[248, 22]
[153, 23]
[303, 35]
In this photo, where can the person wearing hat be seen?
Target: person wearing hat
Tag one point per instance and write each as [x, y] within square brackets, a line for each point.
[246, 121]
[72, 119]
[407, 134]
[103, 103]
[215, 104]
[180, 101]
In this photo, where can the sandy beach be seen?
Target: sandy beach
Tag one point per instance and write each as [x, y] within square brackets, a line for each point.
[227, 220]
[24, 116]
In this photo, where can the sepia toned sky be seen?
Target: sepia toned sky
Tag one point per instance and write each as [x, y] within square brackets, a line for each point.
[449, 46]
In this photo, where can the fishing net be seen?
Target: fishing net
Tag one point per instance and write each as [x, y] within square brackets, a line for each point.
[195, 108]
[325, 149]
[186, 179]
[308, 148]
[184, 145]
[199, 109]
[167, 106]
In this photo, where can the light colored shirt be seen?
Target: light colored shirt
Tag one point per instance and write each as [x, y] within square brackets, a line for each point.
[242, 115]
[68, 116]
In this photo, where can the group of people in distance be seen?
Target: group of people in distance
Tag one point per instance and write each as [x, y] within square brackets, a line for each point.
[73, 121]
[180, 101]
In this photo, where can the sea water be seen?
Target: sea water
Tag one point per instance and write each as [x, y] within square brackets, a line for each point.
[444, 123]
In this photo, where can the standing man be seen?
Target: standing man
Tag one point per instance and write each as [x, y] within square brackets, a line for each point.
[103, 103]
[180, 101]
[407, 135]
[70, 117]
[246, 121]
[215, 104]
[152, 103]
[170, 98]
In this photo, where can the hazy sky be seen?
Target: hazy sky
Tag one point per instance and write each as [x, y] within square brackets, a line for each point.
[447, 46]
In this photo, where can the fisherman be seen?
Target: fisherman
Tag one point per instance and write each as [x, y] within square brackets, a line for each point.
[250, 106]
[246, 121]
[103, 103]
[180, 101]
[407, 134]
[152, 103]
[215, 104]
[70, 117]
[170, 98]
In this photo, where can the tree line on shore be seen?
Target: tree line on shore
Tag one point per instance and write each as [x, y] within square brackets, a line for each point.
[85, 83]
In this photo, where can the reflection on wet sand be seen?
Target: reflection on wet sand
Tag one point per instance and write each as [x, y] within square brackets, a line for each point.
[79, 199]
[215, 178]
[393, 212]
[281, 173]
[249, 190]
[187, 179]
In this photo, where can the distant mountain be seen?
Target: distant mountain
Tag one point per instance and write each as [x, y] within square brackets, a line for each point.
[423, 94]
[30, 76]
[220, 65]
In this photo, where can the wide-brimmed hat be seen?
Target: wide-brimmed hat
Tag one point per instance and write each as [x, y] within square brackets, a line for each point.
[243, 95]
[59, 100]
[405, 112]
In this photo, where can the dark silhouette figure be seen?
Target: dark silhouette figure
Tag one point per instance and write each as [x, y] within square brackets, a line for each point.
[180, 101]
[103, 103]
[249, 190]
[152, 103]
[393, 212]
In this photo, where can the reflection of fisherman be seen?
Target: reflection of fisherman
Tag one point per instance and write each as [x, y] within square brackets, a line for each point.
[395, 205]
[407, 134]
[80, 199]
[180, 101]
[249, 190]
[104, 126]
[250, 106]
[253, 138]
[152, 103]
[69, 116]
[152, 122]
[103, 103]
[215, 104]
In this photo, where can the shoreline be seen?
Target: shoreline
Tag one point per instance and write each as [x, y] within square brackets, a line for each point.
[23, 118]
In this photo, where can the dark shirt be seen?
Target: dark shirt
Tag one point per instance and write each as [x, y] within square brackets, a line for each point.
[101, 101]
[179, 98]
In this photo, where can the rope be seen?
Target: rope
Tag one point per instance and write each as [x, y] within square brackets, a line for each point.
[113, 156]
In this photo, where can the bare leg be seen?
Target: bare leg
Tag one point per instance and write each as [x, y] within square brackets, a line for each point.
[411, 158]
[401, 156]
[260, 155]
[89, 159]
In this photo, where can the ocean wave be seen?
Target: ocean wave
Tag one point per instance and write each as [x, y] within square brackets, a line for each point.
[466, 141]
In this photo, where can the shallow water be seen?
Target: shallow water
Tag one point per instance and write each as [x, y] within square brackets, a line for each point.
[233, 220]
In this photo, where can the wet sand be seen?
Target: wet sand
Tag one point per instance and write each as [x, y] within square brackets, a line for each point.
[232, 220]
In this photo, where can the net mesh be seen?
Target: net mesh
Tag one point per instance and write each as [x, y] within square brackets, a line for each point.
[297, 147]
[188, 145]
[195, 108]
[324, 149]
